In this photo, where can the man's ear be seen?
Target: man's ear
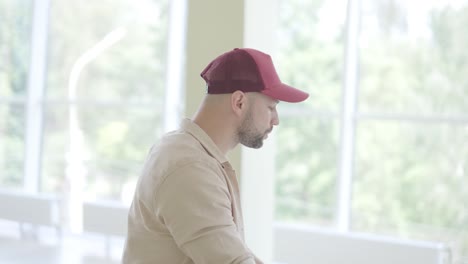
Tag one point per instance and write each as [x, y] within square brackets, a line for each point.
[238, 102]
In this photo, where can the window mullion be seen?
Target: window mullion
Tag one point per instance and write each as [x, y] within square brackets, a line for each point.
[348, 121]
[34, 107]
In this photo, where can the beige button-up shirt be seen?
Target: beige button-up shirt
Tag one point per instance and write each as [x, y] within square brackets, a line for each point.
[186, 207]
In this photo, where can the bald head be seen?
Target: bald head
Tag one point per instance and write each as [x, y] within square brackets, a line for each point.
[228, 107]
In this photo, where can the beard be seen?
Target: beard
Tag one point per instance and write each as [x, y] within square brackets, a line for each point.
[248, 135]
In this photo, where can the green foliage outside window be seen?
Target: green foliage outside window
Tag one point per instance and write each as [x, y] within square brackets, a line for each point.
[15, 30]
[120, 93]
[119, 96]
[411, 142]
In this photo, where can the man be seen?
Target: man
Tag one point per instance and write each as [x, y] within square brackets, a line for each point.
[186, 207]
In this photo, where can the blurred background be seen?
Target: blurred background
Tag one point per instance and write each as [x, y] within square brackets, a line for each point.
[380, 149]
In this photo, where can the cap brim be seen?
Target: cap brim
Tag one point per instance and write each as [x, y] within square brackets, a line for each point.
[286, 93]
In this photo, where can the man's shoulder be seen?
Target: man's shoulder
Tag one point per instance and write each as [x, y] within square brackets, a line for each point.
[180, 144]
[178, 149]
[173, 152]
[176, 154]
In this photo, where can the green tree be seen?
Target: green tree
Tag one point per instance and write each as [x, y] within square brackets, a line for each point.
[15, 28]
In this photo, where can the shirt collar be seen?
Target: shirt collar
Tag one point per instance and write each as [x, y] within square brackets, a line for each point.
[205, 140]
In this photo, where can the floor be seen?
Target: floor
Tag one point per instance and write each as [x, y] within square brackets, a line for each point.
[47, 246]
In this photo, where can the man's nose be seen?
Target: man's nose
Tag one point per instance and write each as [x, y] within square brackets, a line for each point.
[275, 120]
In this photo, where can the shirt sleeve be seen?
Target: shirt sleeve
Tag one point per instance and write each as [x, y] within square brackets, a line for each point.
[194, 203]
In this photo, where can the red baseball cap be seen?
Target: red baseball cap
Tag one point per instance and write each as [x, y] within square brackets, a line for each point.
[248, 70]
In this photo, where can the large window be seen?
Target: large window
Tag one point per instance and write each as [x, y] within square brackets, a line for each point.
[105, 90]
[409, 132]
[310, 57]
[82, 86]
[412, 133]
